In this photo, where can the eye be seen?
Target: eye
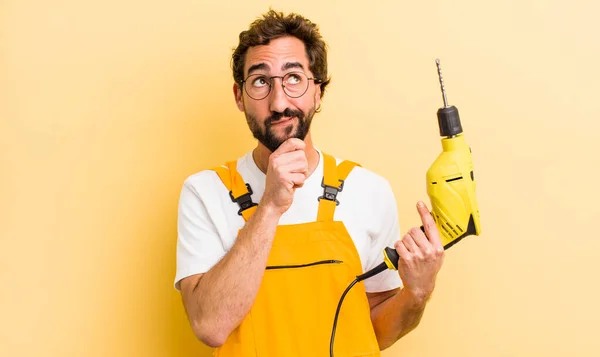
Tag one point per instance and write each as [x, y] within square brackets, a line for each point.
[293, 78]
[260, 81]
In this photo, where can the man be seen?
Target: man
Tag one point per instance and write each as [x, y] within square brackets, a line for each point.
[268, 243]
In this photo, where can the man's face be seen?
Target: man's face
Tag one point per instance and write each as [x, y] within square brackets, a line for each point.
[278, 116]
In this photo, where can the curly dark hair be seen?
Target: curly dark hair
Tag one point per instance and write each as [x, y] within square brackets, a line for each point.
[275, 24]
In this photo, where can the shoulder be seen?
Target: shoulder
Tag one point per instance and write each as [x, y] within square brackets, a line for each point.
[374, 179]
[206, 185]
[206, 179]
[366, 178]
[201, 181]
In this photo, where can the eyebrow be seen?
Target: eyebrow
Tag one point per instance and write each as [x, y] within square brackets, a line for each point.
[289, 65]
[256, 67]
[286, 66]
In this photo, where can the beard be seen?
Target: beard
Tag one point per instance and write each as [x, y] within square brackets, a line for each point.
[268, 137]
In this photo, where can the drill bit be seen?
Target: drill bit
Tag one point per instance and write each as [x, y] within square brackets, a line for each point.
[437, 62]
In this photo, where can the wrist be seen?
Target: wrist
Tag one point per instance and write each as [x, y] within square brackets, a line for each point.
[414, 298]
[269, 212]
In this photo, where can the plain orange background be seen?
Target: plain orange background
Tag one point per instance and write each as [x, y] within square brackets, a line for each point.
[106, 107]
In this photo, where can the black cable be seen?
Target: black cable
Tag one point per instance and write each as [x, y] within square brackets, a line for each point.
[337, 313]
[378, 269]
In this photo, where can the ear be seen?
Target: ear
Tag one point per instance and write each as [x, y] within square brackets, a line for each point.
[317, 95]
[238, 95]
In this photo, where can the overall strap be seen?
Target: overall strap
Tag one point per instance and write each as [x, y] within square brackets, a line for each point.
[332, 183]
[239, 191]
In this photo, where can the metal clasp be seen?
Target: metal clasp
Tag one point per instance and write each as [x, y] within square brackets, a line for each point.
[244, 201]
[330, 192]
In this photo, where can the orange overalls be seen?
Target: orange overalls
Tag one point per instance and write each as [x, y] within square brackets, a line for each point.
[309, 267]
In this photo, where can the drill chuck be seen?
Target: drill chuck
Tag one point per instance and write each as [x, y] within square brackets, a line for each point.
[449, 121]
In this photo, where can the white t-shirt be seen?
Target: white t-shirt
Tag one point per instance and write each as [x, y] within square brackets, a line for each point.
[208, 220]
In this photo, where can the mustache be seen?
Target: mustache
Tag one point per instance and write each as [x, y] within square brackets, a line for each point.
[290, 113]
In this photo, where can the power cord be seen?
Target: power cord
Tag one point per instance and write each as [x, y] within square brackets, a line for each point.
[337, 313]
[389, 252]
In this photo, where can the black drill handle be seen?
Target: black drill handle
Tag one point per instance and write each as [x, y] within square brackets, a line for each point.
[392, 256]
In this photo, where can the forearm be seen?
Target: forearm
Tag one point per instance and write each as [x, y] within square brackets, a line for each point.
[396, 316]
[226, 293]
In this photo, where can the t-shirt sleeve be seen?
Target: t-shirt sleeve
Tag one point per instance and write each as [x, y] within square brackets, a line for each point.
[199, 245]
[387, 234]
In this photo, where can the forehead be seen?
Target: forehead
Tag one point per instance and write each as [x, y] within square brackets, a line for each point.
[278, 52]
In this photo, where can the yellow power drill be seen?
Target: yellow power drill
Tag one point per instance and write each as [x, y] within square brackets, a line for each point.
[450, 179]
[450, 187]
[450, 183]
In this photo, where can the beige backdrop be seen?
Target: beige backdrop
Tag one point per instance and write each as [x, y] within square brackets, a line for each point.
[107, 106]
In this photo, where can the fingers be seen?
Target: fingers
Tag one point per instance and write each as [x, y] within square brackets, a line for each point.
[286, 171]
[423, 245]
[291, 144]
[420, 239]
[291, 162]
[297, 180]
[431, 231]
[294, 161]
[410, 244]
[401, 249]
[297, 160]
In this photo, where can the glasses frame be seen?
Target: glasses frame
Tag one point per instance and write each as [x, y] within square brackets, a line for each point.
[270, 83]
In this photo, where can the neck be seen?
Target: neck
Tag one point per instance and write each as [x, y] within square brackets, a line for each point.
[261, 156]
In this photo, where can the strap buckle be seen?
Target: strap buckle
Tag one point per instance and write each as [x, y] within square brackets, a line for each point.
[330, 192]
[244, 201]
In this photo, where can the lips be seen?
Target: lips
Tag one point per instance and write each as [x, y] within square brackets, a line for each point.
[283, 121]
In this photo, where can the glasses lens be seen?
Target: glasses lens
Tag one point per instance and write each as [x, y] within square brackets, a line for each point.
[258, 86]
[295, 84]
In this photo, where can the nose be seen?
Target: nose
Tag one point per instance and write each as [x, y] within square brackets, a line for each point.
[278, 100]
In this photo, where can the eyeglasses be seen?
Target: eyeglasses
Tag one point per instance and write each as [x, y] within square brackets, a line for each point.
[295, 84]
